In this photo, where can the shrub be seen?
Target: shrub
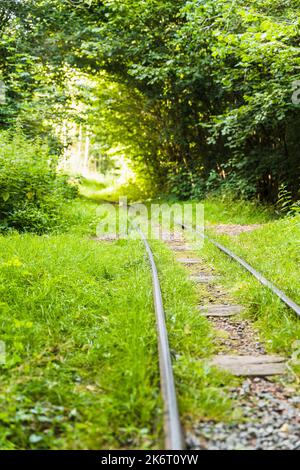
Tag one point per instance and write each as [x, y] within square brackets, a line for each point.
[31, 191]
[186, 185]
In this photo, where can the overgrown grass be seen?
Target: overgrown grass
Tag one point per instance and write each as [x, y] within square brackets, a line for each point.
[78, 323]
[77, 319]
[218, 210]
[89, 189]
[110, 191]
[235, 211]
[81, 369]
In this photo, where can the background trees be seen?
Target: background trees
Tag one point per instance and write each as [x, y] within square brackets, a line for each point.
[218, 78]
[198, 93]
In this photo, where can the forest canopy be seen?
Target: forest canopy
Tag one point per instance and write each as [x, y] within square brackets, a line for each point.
[201, 95]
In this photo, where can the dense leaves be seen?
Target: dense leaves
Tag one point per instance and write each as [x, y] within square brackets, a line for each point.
[217, 78]
[31, 191]
[198, 94]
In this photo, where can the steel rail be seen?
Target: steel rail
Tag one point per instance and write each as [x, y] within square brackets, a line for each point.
[283, 297]
[172, 427]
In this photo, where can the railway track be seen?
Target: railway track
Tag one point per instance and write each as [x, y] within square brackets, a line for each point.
[270, 365]
[172, 427]
[282, 296]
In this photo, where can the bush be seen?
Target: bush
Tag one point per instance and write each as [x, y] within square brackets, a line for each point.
[185, 185]
[192, 185]
[31, 191]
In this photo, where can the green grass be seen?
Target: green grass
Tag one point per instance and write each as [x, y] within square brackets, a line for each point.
[110, 191]
[77, 319]
[78, 323]
[217, 210]
[81, 369]
[89, 189]
[233, 211]
[274, 248]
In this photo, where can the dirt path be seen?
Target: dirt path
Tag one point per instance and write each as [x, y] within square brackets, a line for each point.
[234, 229]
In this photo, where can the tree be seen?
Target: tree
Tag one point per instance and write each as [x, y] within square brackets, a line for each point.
[200, 90]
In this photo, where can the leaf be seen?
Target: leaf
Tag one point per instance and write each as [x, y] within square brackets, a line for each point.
[5, 196]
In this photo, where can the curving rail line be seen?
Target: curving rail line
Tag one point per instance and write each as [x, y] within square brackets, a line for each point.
[283, 297]
[172, 427]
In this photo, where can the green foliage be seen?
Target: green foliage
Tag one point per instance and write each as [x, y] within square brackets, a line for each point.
[197, 94]
[186, 184]
[31, 191]
[215, 79]
[285, 203]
